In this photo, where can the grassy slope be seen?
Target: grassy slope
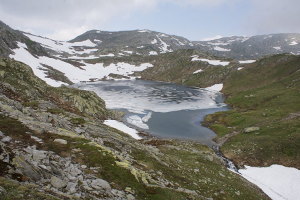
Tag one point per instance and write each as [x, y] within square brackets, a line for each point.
[183, 164]
[177, 67]
[267, 95]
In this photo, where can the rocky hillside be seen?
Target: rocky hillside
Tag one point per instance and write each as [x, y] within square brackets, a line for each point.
[263, 126]
[98, 55]
[252, 47]
[140, 42]
[9, 39]
[53, 145]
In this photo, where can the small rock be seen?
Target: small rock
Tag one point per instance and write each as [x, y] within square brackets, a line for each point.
[129, 190]
[6, 139]
[251, 129]
[36, 139]
[71, 187]
[130, 197]
[61, 141]
[74, 171]
[79, 130]
[101, 184]
[83, 166]
[57, 182]
[38, 155]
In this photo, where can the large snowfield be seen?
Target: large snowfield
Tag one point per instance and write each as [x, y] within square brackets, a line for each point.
[74, 74]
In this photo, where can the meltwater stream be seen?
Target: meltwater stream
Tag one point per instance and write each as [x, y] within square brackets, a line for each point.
[162, 109]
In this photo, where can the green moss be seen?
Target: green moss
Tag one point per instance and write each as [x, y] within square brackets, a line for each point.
[32, 104]
[55, 111]
[78, 121]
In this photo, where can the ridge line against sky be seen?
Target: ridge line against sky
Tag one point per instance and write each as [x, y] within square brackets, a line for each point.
[193, 19]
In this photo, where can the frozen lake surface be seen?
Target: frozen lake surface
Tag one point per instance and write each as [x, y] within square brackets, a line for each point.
[162, 109]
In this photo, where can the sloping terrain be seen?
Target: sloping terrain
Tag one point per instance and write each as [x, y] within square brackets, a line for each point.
[263, 126]
[53, 145]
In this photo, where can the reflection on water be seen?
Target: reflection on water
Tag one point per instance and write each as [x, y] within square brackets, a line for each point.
[162, 109]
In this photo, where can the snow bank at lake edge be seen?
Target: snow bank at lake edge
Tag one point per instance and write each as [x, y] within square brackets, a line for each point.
[122, 127]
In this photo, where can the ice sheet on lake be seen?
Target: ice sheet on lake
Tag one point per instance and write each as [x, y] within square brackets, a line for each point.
[140, 97]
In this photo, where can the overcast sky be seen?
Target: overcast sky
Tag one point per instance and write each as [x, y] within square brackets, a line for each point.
[193, 19]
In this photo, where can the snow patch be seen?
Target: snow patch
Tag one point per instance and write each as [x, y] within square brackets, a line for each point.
[198, 71]
[129, 52]
[154, 41]
[85, 43]
[215, 87]
[246, 61]
[153, 53]
[164, 46]
[240, 68]
[75, 74]
[221, 49]
[107, 55]
[277, 48]
[277, 181]
[211, 62]
[122, 127]
[293, 43]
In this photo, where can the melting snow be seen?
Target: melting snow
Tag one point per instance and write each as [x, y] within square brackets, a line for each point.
[129, 52]
[293, 43]
[85, 43]
[61, 46]
[107, 55]
[277, 48]
[277, 181]
[215, 87]
[198, 71]
[211, 62]
[153, 53]
[221, 49]
[122, 127]
[75, 74]
[164, 46]
[154, 41]
[240, 68]
[246, 61]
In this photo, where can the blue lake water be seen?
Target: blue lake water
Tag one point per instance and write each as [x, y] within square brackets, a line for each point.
[164, 110]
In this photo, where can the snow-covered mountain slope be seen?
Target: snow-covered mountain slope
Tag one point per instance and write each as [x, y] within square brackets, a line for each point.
[98, 54]
[252, 47]
[140, 42]
[56, 71]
